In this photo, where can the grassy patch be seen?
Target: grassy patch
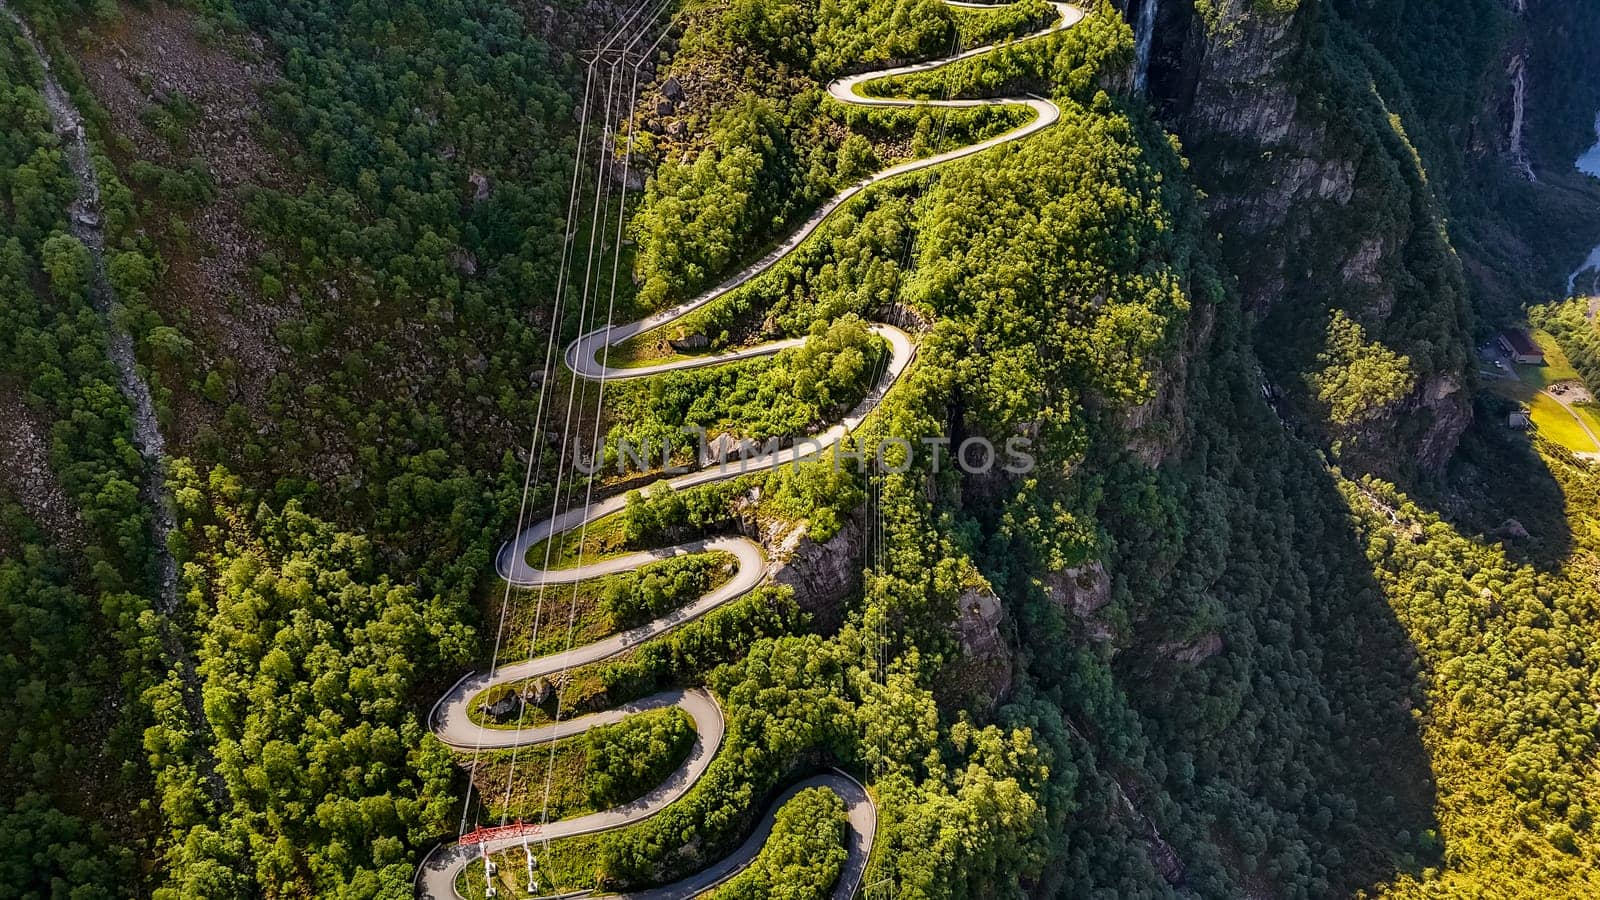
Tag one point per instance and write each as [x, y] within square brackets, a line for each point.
[605, 606]
[581, 691]
[581, 770]
[1558, 424]
[602, 540]
[1556, 368]
[651, 347]
[566, 865]
[1553, 421]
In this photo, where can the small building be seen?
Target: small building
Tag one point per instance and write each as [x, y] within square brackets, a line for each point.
[1520, 420]
[1521, 347]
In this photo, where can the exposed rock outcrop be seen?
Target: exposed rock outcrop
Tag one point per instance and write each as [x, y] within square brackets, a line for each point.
[822, 575]
[689, 343]
[987, 662]
[1157, 428]
[1296, 173]
[1448, 410]
[1192, 652]
[902, 316]
[1082, 592]
[1163, 856]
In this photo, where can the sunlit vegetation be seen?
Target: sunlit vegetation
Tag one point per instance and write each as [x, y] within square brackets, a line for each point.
[1358, 378]
[781, 699]
[803, 856]
[307, 652]
[852, 265]
[661, 514]
[798, 392]
[1216, 650]
[1500, 646]
[600, 540]
[604, 767]
[1571, 342]
[682, 657]
[1568, 340]
[543, 621]
[562, 866]
[769, 152]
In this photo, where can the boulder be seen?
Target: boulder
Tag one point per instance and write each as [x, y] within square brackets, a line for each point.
[537, 693]
[500, 703]
[725, 448]
[690, 343]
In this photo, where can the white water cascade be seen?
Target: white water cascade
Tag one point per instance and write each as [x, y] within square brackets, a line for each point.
[1519, 97]
[1144, 38]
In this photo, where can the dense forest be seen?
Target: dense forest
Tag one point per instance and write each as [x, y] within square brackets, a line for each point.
[75, 558]
[1262, 631]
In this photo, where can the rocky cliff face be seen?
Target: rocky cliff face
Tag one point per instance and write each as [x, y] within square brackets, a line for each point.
[1323, 204]
[822, 575]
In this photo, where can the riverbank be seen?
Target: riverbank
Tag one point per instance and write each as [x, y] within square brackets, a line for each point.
[1589, 164]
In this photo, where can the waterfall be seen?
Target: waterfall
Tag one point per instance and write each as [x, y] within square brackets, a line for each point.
[1591, 266]
[1519, 97]
[1144, 38]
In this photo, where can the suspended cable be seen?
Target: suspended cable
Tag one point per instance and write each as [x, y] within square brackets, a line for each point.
[535, 449]
[583, 531]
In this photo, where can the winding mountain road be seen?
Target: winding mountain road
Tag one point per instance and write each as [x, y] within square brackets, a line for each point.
[450, 719]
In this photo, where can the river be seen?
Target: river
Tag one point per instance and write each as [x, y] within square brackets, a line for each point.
[1589, 164]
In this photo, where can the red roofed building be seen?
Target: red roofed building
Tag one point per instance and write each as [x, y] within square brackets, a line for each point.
[1522, 348]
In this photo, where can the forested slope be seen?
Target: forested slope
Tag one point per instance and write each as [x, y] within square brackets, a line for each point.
[77, 573]
[1259, 629]
[1392, 181]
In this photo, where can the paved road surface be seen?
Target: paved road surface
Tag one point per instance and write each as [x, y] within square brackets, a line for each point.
[586, 358]
[438, 873]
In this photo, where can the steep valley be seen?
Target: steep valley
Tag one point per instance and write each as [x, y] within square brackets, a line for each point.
[802, 448]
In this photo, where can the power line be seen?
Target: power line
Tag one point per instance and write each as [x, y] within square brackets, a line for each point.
[583, 531]
[535, 449]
